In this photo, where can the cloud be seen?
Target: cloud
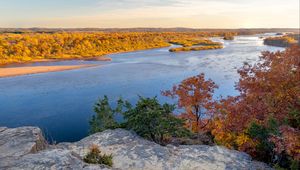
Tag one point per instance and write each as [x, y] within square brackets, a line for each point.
[132, 4]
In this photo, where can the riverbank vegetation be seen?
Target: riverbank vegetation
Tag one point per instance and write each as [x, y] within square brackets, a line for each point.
[24, 47]
[18, 48]
[27, 46]
[30, 47]
[283, 41]
[263, 121]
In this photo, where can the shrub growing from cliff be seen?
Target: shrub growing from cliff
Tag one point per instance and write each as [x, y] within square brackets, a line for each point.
[95, 157]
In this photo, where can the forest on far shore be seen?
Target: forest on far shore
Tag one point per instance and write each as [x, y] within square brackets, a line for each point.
[27, 45]
[18, 48]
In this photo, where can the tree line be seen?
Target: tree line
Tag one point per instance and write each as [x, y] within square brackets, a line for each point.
[17, 48]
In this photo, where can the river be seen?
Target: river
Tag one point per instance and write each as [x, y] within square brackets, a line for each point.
[61, 103]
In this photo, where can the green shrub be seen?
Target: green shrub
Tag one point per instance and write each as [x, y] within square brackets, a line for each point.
[266, 148]
[94, 157]
[154, 121]
[104, 117]
[294, 120]
[278, 167]
[148, 119]
[295, 165]
[262, 133]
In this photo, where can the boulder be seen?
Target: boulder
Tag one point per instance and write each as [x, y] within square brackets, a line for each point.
[16, 142]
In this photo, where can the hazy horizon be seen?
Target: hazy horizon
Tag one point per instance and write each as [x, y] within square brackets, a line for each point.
[147, 28]
[199, 14]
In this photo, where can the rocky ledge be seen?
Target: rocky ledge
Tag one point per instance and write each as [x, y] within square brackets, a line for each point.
[26, 148]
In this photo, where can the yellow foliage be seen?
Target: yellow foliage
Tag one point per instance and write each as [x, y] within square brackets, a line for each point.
[240, 141]
[62, 45]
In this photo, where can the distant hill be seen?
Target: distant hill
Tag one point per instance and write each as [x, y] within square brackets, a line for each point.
[177, 29]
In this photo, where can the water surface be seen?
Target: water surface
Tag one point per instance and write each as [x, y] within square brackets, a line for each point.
[61, 103]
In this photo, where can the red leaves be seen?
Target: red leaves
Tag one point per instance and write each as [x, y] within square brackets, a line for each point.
[269, 89]
[288, 142]
[272, 85]
[195, 97]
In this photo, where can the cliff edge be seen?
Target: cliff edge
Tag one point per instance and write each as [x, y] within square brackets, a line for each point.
[26, 148]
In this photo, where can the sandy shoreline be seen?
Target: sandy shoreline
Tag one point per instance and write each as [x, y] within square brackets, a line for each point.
[101, 58]
[18, 71]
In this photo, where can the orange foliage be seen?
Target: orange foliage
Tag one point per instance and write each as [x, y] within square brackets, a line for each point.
[195, 97]
[269, 89]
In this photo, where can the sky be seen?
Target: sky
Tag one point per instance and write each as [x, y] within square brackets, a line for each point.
[150, 13]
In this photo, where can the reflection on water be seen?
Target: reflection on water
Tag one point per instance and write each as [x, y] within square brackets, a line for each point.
[61, 103]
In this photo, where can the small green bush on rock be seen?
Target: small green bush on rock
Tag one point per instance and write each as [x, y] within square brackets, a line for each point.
[94, 157]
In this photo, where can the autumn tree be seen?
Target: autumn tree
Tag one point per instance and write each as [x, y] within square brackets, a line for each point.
[264, 120]
[195, 96]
